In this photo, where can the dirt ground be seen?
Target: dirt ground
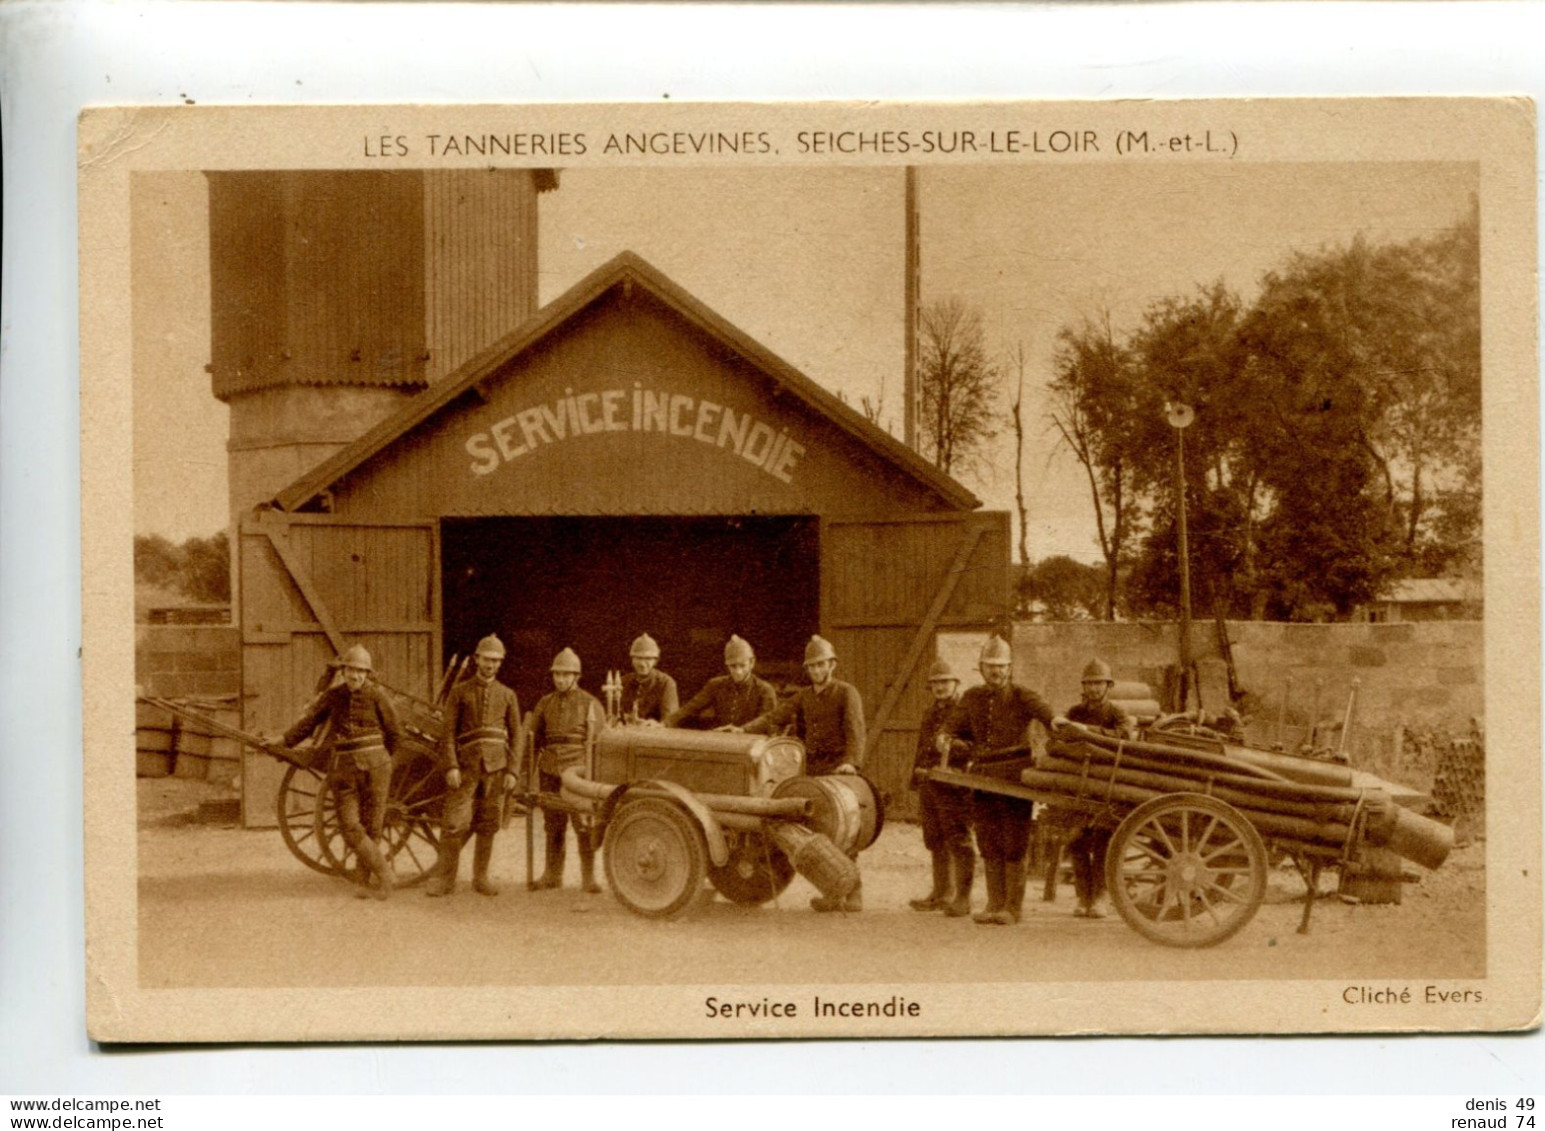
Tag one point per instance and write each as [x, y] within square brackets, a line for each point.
[222, 906]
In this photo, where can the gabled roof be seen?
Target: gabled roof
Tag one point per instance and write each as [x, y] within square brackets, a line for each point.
[625, 270]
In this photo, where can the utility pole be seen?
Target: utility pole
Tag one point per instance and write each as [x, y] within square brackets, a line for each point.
[911, 396]
[1180, 417]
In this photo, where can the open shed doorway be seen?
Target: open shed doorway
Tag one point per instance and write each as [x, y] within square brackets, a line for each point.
[595, 583]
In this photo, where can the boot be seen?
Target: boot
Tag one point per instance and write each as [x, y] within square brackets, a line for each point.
[379, 884]
[482, 853]
[853, 901]
[994, 870]
[587, 865]
[1014, 888]
[443, 882]
[964, 868]
[552, 874]
[935, 899]
[1082, 883]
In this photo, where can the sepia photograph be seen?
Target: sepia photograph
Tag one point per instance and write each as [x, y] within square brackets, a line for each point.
[810, 570]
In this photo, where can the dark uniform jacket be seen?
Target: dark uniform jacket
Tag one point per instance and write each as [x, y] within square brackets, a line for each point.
[562, 723]
[991, 721]
[363, 729]
[934, 720]
[482, 726]
[733, 704]
[830, 722]
[1104, 714]
[649, 697]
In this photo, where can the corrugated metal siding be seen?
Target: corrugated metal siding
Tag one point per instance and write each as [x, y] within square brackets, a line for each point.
[317, 278]
[355, 261]
[480, 271]
[618, 345]
[246, 242]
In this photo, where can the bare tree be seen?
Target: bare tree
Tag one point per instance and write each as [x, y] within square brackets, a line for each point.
[1016, 415]
[872, 407]
[958, 382]
[1092, 371]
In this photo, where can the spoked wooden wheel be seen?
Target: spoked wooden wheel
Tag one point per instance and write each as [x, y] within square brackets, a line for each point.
[410, 831]
[301, 795]
[1186, 870]
[655, 857]
[755, 872]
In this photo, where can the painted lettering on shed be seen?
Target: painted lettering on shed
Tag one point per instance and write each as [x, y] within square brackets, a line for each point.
[671, 416]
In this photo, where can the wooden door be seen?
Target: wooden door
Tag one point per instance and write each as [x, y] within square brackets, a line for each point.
[311, 586]
[887, 587]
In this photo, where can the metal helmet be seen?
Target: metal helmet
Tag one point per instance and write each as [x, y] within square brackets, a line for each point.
[737, 649]
[645, 648]
[996, 651]
[1097, 670]
[819, 648]
[357, 657]
[491, 646]
[566, 661]
[942, 671]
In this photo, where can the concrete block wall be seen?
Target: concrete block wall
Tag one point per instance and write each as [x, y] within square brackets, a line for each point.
[187, 661]
[1428, 674]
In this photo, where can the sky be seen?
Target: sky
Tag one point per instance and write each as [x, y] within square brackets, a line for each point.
[810, 263]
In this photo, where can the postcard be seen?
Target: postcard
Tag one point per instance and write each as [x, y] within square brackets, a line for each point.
[801, 570]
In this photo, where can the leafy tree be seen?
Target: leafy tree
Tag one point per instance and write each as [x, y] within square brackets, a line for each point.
[1391, 335]
[157, 561]
[199, 568]
[1093, 395]
[958, 385]
[206, 571]
[1336, 443]
[1059, 588]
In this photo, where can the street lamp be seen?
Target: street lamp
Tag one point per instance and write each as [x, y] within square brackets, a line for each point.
[1180, 417]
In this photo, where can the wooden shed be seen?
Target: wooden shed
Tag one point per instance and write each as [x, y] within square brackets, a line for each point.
[624, 462]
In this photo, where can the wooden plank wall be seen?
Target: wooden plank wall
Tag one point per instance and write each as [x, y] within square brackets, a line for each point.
[622, 346]
[879, 580]
[380, 588]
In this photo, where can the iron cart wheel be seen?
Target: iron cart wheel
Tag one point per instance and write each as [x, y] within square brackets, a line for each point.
[410, 831]
[656, 858]
[302, 793]
[1186, 870]
[755, 872]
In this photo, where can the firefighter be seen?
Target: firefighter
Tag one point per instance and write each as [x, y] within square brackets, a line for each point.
[477, 752]
[1087, 848]
[945, 809]
[563, 725]
[648, 694]
[362, 734]
[990, 728]
[734, 699]
[828, 717]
